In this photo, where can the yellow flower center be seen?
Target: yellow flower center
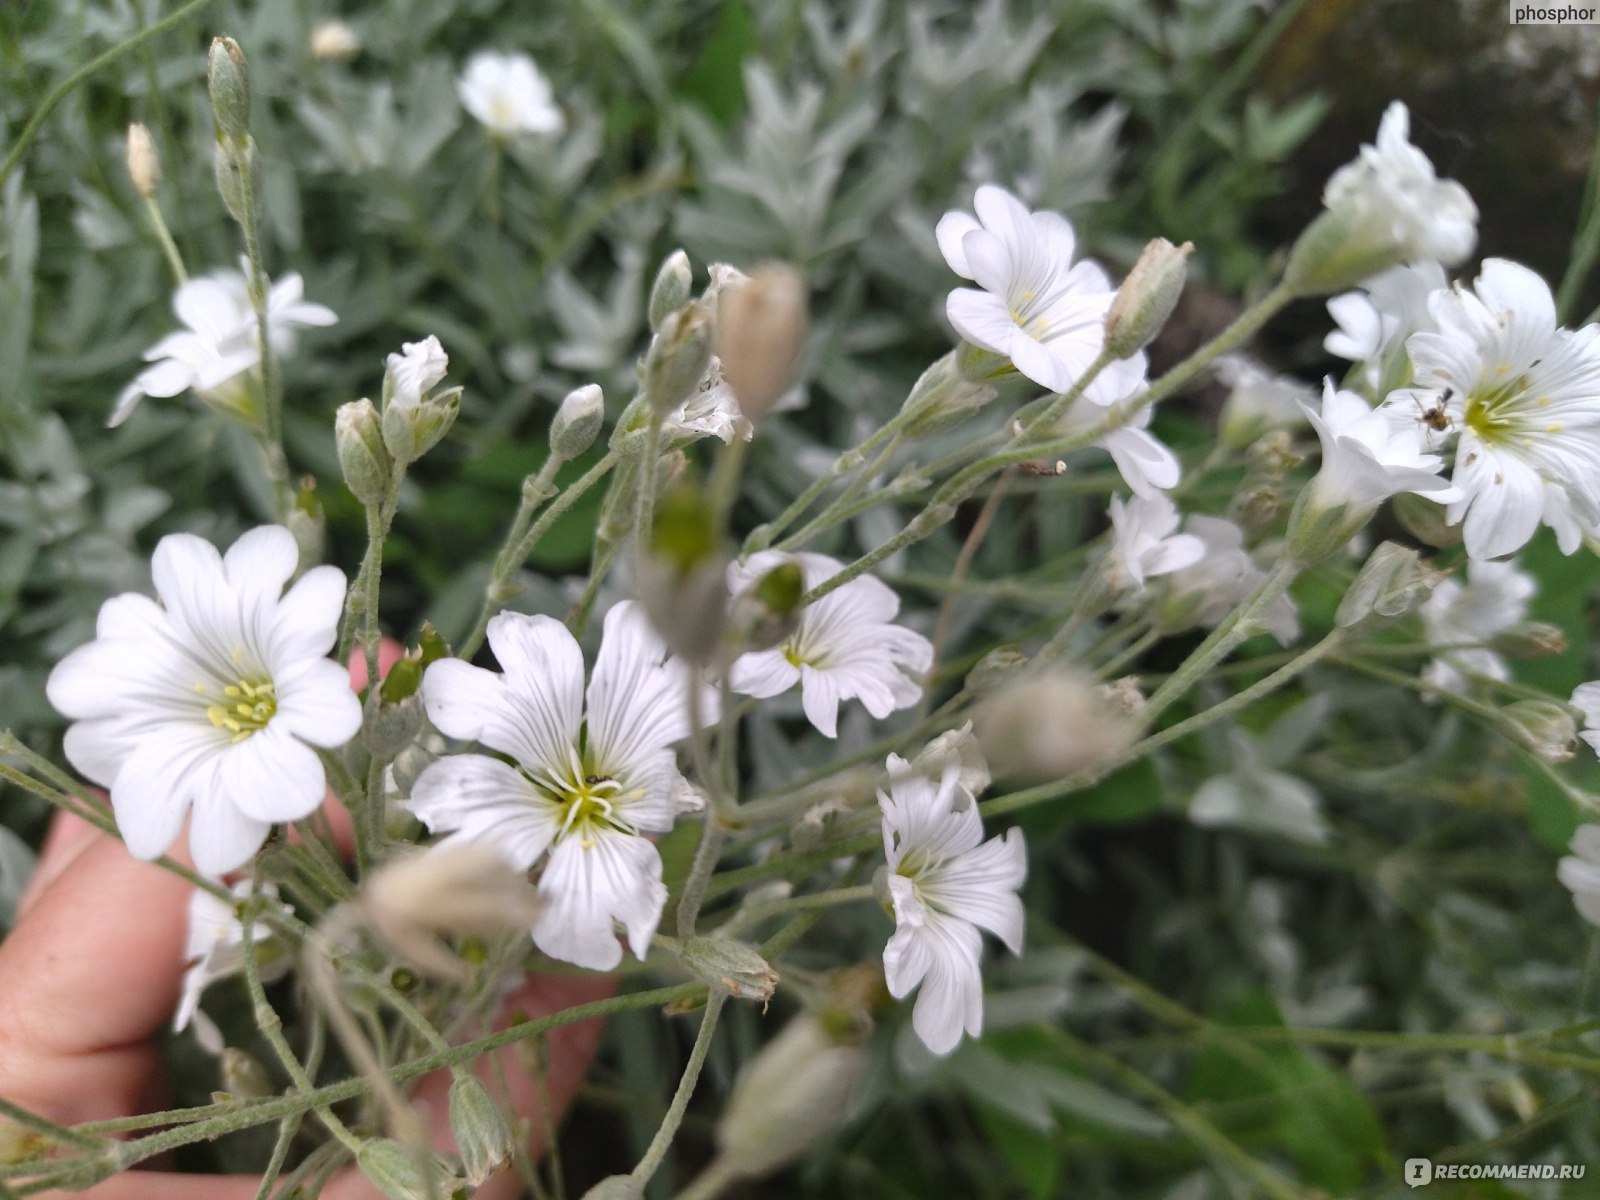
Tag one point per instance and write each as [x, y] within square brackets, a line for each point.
[587, 806]
[1498, 409]
[246, 707]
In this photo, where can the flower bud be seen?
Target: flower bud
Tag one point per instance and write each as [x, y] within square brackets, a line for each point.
[1424, 520]
[1052, 725]
[1147, 297]
[307, 521]
[390, 727]
[19, 1144]
[238, 176]
[334, 41]
[678, 358]
[228, 75]
[1337, 251]
[729, 965]
[761, 330]
[411, 431]
[243, 1076]
[1543, 727]
[670, 292]
[577, 422]
[1391, 583]
[401, 1173]
[682, 574]
[413, 902]
[944, 396]
[1531, 639]
[483, 1135]
[977, 365]
[1318, 528]
[144, 165]
[363, 457]
[768, 611]
[790, 1096]
[995, 669]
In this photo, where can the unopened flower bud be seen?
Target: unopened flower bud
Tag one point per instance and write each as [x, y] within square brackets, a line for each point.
[1531, 639]
[415, 419]
[483, 1135]
[768, 611]
[334, 41]
[1391, 583]
[1543, 727]
[144, 165]
[670, 292]
[1424, 520]
[730, 966]
[1052, 725]
[1338, 250]
[943, 397]
[238, 175]
[401, 1173]
[977, 365]
[678, 358]
[19, 1144]
[392, 726]
[307, 521]
[790, 1096]
[228, 75]
[363, 457]
[577, 422]
[1147, 297]
[761, 330]
[682, 574]
[243, 1076]
[413, 902]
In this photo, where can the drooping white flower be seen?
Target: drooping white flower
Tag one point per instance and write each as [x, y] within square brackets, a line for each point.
[509, 94]
[1036, 307]
[1208, 590]
[1259, 401]
[1525, 398]
[214, 700]
[1145, 541]
[220, 342]
[418, 368]
[845, 646]
[1393, 193]
[1586, 699]
[961, 746]
[1369, 455]
[711, 410]
[590, 778]
[1580, 872]
[1145, 462]
[946, 883]
[214, 950]
[1463, 616]
[1375, 321]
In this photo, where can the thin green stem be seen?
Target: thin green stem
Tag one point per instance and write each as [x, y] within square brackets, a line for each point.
[662, 1142]
[169, 248]
[743, 918]
[846, 505]
[695, 883]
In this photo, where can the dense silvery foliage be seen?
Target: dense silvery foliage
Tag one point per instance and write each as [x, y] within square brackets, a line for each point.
[714, 496]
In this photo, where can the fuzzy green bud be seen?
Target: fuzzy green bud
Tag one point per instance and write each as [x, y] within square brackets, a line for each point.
[730, 966]
[678, 358]
[228, 75]
[307, 521]
[1544, 727]
[404, 1174]
[682, 575]
[1531, 639]
[1317, 529]
[977, 365]
[483, 1135]
[243, 1076]
[410, 431]
[363, 457]
[1391, 583]
[670, 292]
[577, 422]
[1337, 251]
[761, 330]
[238, 175]
[1147, 297]
[942, 397]
[1424, 520]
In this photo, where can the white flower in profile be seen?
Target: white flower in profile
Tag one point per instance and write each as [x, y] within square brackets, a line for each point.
[1525, 397]
[1145, 541]
[1392, 192]
[214, 700]
[1259, 401]
[1375, 320]
[1207, 591]
[509, 94]
[417, 369]
[1369, 455]
[845, 647]
[1145, 462]
[946, 883]
[588, 781]
[711, 410]
[1464, 616]
[1579, 872]
[1036, 307]
[214, 950]
[1586, 699]
[220, 341]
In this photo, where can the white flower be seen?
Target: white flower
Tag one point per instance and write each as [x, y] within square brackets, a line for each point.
[1391, 191]
[418, 368]
[508, 94]
[1259, 401]
[1369, 455]
[845, 646]
[212, 700]
[961, 746]
[1525, 396]
[946, 883]
[711, 410]
[1465, 615]
[1374, 322]
[1145, 541]
[215, 950]
[1208, 590]
[1147, 466]
[1586, 699]
[1036, 308]
[220, 342]
[588, 780]
[1580, 872]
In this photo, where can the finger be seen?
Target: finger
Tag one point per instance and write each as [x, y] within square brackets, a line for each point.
[389, 653]
[69, 835]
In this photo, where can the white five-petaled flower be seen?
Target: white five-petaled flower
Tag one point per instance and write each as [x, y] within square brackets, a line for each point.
[845, 647]
[220, 341]
[1375, 321]
[587, 783]
[509, 94]
[1586, 699]
[946, 883]
[1145, 541]
[216, 699]
[1207, 590]
[1392, 193]
[417, 369]
[1579, 872]
[1525, 398]
[1036, 307]
[1145, 462]
[215, 950]
[1463, 616]
[1369, 455]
